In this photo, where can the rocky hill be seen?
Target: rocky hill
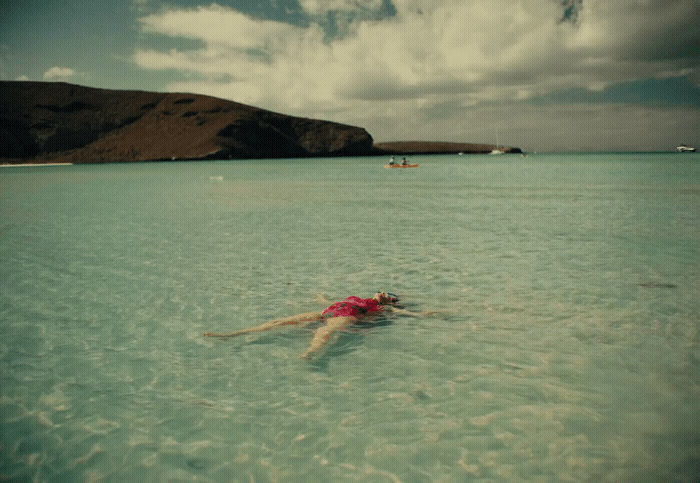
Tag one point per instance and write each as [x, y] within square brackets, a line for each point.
[42, 122]
[55, 122]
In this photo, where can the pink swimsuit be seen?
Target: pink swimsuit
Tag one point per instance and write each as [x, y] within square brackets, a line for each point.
[352, 307]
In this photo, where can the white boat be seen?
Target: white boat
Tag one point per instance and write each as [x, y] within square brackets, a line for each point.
[685, 149]
[496, 150]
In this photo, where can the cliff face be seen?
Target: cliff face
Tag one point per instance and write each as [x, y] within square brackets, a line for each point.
[58, 122]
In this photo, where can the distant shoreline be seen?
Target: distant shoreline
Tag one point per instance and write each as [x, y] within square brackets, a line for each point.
[375, 154]
[411, 148]
[24, 165]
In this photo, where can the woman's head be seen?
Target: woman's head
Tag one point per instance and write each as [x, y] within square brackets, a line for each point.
[385, 298]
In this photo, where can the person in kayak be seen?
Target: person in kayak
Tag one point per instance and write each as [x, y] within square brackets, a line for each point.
[336, 317]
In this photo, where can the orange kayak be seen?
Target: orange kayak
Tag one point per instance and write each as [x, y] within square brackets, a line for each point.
[401, 165]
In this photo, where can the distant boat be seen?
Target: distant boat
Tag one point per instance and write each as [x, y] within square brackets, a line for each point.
[403, 164]
[685, 149]
[496, 150]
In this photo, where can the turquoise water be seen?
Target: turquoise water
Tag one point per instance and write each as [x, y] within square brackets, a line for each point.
[565, 345]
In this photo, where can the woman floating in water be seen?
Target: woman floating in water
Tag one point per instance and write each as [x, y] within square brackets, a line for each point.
[336, 317]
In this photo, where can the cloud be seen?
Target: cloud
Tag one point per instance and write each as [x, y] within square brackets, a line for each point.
[420, 55]
[316, 7]
[22, 78]
[59, 73]
[222, 27]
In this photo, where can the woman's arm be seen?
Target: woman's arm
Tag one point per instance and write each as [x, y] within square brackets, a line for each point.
[397, 310]
[414, 314]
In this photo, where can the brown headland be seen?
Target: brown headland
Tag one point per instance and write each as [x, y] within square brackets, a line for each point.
[56, 122]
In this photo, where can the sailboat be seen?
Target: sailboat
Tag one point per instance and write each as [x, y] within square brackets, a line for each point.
[496, 150]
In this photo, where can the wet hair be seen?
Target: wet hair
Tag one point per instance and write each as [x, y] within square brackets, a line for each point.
[392, 296]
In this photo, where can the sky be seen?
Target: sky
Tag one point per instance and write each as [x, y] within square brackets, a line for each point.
[543, 75]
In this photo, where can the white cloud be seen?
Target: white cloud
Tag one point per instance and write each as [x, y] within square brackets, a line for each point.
[430, 54]
[223, 27]
[22, 78]
[316, 7]
[59, 73]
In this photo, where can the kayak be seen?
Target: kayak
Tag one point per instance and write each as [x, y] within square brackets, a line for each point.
[401, 165]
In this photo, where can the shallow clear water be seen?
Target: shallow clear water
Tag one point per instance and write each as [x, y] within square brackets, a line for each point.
[565, 346]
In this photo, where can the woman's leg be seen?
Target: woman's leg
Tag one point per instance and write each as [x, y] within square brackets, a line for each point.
[293, 320]
[323, 334]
